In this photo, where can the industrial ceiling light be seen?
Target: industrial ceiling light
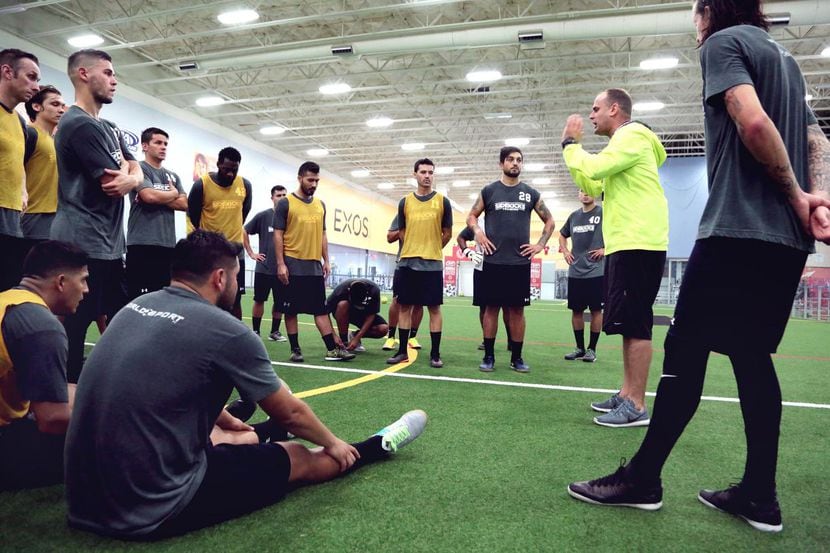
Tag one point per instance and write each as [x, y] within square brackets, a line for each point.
[334, 88]
[360, 173]
[344, 50]
[648, 106]
[826, 52]
[209, 101]
[519, 141]
[535, 167]
[412, 146]
[85, 41]
[548, 194]
[497, 116]
[659, 63]
[272, 130]
[541, 181]
[484, 76]
[460, 183]
[188, 65]
[386, 186]
[378, 122]
[237, 17]
[444, 170]
[317, 152]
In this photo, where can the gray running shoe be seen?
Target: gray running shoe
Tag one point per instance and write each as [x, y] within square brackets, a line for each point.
[575, 354]
[608, 405]
[403, 431]
[399, 358]
[339, 354]
[624, 416]
[520, 366]
[277, 336]
[297, 356]
[488, 364]
[359, 348]
[436, 363]
[590, 356]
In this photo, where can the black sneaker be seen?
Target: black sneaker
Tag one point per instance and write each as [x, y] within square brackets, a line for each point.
[617, 490]
[761, 515]
[241, 409]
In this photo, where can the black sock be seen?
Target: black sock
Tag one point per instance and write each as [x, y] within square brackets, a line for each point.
[257, 322]
[403, 334]
[580, 338]
[594, 339]
[344, 338]
[270, 431]
[370, 451]
[275, 324]
[328, 339]
[392, 330]
[435, 351]
[294, 341]
[489, 347]
[413, 332]
[516, 351]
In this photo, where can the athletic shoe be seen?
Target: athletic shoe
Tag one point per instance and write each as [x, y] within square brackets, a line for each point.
[520, 366]
[391, 344]
[590, 356]
[616, 490]
[399, 358]
[277, 336]
[339, 354]
[359, 348]
[575, 354]
[624, 416]
[761, 515]
[608, 405]
[414, 343]
[436, 363]
[241, 409]
[481, 347]
[488, 364]
[297, 356]
[403, 431]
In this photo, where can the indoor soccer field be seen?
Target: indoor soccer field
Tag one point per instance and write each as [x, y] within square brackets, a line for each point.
[490, 471]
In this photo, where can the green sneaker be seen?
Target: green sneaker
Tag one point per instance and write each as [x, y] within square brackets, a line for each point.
[339, 354]
[403, 431]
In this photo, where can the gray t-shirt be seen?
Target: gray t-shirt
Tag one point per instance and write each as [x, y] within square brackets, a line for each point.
[37, 344]
[153, 224]
[37, 226]
[743, 200]
[10, 222]
[86, 216]
[263, 226]
[507, 212]
[297, 267]
[146, 403]
[585, 231]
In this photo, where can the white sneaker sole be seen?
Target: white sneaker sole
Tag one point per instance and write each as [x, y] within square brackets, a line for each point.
[632, 424]
[643, 506]
[762, 526]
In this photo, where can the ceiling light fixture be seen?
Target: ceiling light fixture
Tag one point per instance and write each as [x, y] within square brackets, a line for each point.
[826, 52]
[549, 194]
[386, 186]
[360, 173]
[317, 152]
[412, 146]
[334, 88]
[460, 183]
[497, 116]
[535, 167]
[237, 17]
[209, 101]
[648, 106]
[541, 181]
[272, 130]
[519, 141]
[444, 170]
[484, 76]
[85, 41]
[378, 122]
[659, 63]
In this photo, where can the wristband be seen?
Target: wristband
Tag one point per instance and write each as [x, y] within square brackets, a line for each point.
[568, 141]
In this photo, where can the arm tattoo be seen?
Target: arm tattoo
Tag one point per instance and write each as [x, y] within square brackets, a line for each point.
[818, 160]
[544, 214]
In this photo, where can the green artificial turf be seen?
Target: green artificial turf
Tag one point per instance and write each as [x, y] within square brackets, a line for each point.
[489, 473]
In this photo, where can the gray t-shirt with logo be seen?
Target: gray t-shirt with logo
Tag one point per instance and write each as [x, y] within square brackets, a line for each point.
[507, 212]
[585, 231]
[153, 224]
[86, 216]
[263, 226]
[743, 200]
[151, 390]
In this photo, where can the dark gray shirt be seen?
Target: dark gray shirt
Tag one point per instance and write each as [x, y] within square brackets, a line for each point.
[10, 222]
[585, 231]
[153, 224]
[36, 226]
[86, 216]
[151, 390]
[263, 226]
[743, 200]
[297, 267]
[507, 212]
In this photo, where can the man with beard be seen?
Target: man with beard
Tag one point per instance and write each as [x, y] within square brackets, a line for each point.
[299, 244]
[95, 172]
[504, 282]
[220, 202]
[19, 75]
[139, 462]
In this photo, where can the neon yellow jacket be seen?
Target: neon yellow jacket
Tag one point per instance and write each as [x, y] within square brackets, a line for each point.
[635, 208]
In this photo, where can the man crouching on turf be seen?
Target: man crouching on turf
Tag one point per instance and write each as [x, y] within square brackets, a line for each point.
[139, 461]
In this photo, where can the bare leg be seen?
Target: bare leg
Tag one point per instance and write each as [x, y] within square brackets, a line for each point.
[491, 321]
[636, 361]
[436, 321]
[416, 315]
[291, 326]
[516, 319]
[596, 321]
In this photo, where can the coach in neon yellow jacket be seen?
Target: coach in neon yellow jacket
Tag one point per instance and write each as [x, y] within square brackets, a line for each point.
[636, 233]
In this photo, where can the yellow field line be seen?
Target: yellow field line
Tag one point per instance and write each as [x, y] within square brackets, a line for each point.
[412, 353]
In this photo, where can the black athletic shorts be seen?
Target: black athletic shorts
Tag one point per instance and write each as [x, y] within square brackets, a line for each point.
[502, 285]
[357, 317]
[632, 280]
[737, 294]
[304, 294]
[586, 293]
[107, 289]
[148, 269]
[240, 479]
[11, 261]
[240, 280]
[30, 458]
[395, 283]
[420, 287]
[265, 284]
